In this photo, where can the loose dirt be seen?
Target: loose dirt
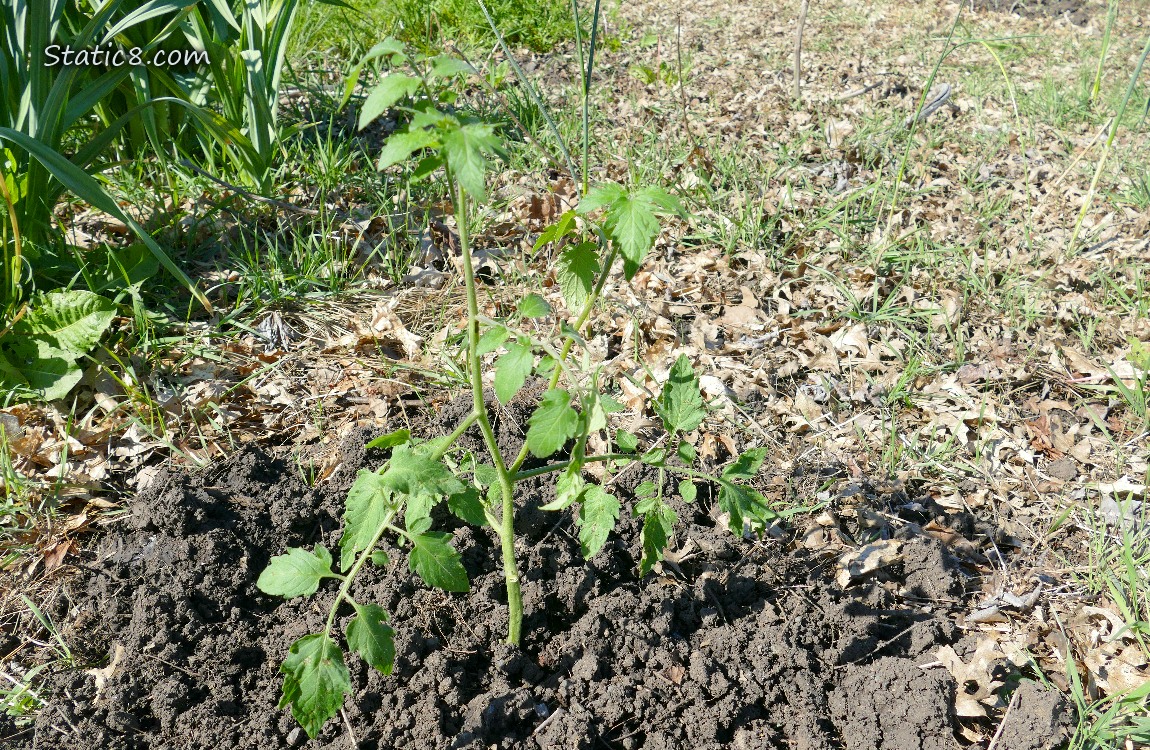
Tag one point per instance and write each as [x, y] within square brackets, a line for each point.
[741, 644]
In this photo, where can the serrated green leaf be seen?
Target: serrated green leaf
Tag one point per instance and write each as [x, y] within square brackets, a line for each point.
[411, 472]
[603, 194]
[438, 563]
[427, 166]
[385, 95]
[491, 340]
[747, 465]
[369, 635]
[680, 405]
[467, 149]
[485, 475]
[595, 413]
[633, 226]
[73, 321]
[468, 506]
[654, 457]
[369, 506]
[400, 146]
[597, 516]
[627, 442]
[445, 66]
[315, 681]
[417, 512]
[746, 508]
[688, 491]
[556, 231]
[658, 525]
[552, 424]
[644, 489]
[534, 306]
[568, 488]
[659, 197]
[686, 452]
[576, 270]
[511, 371]
[390, 439]
[296, 573]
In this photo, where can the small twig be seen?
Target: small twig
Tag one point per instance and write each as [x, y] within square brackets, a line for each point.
[547, 722]
[350, 731]
[1002, 724]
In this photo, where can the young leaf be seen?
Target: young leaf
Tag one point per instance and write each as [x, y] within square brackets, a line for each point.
[468, 506]
[627, 442]
[603, 194]
[645, 489]
[491, 340]
[576, 269]
[437, 562]
[552, 424]
[369, 506]
[687, 491]
[391, 439]
[686, 452]
[315, 681]
[379, 558]
[411, 472]
[654, 457]
[680, 405]
[745, 506]
[597, 516]
[296, 573]
[385, 95]
[417, 512]
[445, 66]
[534, 306]
[369, 635]
[633, 226]
[747, 466]
[658, 523]
[556, 231]
[568, 489]
[511, 371]
[402, 145]
[467, 148]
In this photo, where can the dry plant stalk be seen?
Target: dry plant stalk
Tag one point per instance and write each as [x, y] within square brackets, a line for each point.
[798, 72]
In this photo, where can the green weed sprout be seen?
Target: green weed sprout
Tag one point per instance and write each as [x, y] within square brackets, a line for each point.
[392, 506]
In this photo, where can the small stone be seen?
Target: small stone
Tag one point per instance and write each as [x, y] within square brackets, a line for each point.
[295, 737]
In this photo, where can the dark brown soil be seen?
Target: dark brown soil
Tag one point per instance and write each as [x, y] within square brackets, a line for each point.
[746, 645]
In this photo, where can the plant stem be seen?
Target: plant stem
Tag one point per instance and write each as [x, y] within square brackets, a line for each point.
[506, 485]
[798, 71]
[588, 306]
[345, 587]
[449, 441]
[562, 465]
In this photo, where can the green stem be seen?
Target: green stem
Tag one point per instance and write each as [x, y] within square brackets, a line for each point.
[588, 306]
[562, 465]
[506, 485]
[449, 441]
[345, 587]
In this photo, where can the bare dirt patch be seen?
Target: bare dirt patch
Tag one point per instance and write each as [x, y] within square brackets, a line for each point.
[739, 644]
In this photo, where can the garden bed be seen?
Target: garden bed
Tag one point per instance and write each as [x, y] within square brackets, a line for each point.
[733, 643]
